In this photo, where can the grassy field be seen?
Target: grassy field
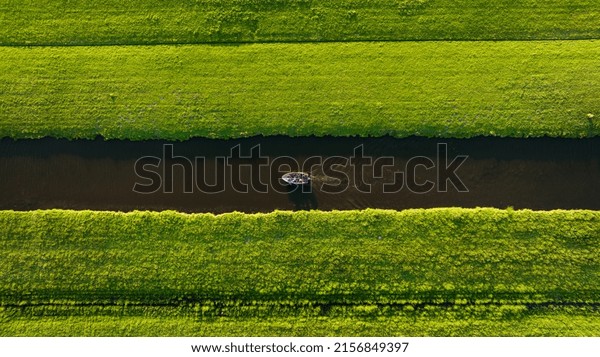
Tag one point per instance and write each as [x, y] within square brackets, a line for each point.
[196, 21]
[444, 268]
[445, 89]
[239, 68]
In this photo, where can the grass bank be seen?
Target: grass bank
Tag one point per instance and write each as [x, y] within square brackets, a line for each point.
[291, 268]
[443, 89]
[80, 22]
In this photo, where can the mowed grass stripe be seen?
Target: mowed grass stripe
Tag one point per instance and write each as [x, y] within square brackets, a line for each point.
[445, 89]
[511, 320]
[288, 261]
[81, 22]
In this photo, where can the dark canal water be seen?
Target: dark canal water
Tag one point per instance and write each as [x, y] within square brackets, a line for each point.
[203, 175]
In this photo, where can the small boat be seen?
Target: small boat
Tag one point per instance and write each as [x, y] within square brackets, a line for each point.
[296, 178]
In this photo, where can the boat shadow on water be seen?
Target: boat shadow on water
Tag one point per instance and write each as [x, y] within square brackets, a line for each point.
[303, 197]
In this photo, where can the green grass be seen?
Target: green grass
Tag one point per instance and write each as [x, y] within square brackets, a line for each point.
[371, 267]
[445, 89]
[195, 21]
[430, 321]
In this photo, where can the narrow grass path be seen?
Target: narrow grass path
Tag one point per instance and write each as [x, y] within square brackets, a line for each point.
[117, 22]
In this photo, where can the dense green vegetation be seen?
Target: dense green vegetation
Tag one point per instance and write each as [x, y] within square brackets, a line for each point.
[446, 89]
[195, 21]
[291, 268]
[428, 321]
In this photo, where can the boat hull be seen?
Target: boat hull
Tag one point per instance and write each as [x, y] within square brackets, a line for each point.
[296, 178]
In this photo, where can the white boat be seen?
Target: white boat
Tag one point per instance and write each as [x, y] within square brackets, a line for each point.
[296, 178]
